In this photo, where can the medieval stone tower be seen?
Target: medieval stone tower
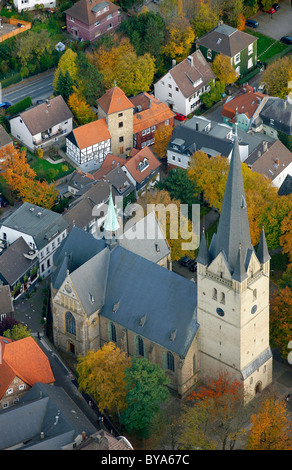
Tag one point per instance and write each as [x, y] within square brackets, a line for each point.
[233, 294]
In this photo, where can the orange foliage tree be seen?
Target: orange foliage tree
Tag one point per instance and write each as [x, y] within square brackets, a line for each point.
[224, 397]
[21, 179]
[286, 237]
[270, 427]
[281, 319]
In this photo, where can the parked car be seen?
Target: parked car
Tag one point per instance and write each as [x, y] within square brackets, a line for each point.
[276, 6]
[180, 117]
[193, 266]
[3, 201]
[251, 23]
[271, 11]
[286, 39]
[185, 261]
[5, 104]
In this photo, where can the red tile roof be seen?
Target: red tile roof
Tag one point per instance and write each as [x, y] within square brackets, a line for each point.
[246, 102]
[156, 113]
[109, 163]
[91, 133]
[132, 164]
[23, 359]
[114, 100]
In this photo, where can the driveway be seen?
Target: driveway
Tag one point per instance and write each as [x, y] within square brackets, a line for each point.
[277, 25]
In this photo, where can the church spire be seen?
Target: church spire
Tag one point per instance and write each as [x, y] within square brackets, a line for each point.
[233, 227]
[203, 255]
[111, 224]
[262, 251]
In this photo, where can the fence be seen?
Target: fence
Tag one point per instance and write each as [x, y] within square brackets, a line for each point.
[14, 21]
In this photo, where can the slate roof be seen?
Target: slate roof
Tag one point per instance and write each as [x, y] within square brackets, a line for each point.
[44, 408]
[13, 263]
[226, 40]
[24, 359]
[186, 74]
[280, 111]
[286, 186]
[6, 305]
[42, 224]
[272, 162]
[40, 118]
[140, 286]
[84, 10]
[233, 228]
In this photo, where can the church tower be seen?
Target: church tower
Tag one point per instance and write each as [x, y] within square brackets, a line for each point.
[233, 294]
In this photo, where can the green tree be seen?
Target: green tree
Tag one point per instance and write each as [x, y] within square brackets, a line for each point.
[64, 85]
[214, 95]
[18, 331]
[277, 76]
[223, 69]
[91, 86]
[68, 61]
[146, 385]
[206, 17]
[179, 186]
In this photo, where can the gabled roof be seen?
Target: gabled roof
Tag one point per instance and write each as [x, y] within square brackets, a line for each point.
[192, 73]
[155, 113]
[13, 263]
[114, 100]
[40, 118]
[110, 162]
[246, 102]
[272, 162]
[84, 10]
[135, 164]
[90, 134]
[226, 40]
[280, 112]
[24, 359]
[286, 186]
[5, 138]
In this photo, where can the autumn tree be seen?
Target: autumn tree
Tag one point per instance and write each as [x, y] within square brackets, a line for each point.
[102, 375]
[32, 46]
[21, 179]
[18, 331]
[91, 86]
[277, 76]
[270, 427]
[223, 69]
[162, 136]
[205, 18]
[281, 320]
[232, 11]
[195, 425]
[67, 62]
[146, 386]
[286, 236]
[179, 232]
[272, 218]
[179, 39]
[221, 399]
[81, 109]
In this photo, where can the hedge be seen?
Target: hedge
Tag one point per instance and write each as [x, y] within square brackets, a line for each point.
[15, 78]
[19, 107]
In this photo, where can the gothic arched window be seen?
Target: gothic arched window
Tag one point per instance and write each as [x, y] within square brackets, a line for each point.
[170, 361]
[222, 299]
[70, 323]
[113, 333]
[139, 346]
[214, 294]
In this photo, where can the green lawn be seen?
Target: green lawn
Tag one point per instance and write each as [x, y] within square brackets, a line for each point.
[268, 47]
[46, 170]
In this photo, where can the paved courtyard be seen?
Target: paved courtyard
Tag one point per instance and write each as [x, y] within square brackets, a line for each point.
[277, 25]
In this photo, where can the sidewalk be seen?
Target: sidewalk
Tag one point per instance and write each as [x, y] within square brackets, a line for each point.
[29, 310]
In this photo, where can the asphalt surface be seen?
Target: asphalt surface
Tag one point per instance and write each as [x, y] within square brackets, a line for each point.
[39, 87]
[277, 25]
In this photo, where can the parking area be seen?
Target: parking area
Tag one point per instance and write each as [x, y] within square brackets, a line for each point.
[277, 25]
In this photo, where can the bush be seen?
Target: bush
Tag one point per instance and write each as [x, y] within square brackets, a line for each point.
[19, 107]
[11, 80]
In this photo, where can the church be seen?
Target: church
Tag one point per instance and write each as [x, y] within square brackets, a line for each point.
[102, 291]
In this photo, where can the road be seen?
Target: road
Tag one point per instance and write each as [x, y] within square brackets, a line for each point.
[38, 87]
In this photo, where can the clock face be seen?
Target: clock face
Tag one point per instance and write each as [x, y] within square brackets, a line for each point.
[220, 312]
[68, 289]
[254, 309]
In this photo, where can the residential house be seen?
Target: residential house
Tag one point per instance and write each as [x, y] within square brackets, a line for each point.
[142, 169]
[19, 267]
[88, 211]
[286, 186]
[5, 140]
[212, 138]
[239, 46]
[243, 108]
[88, 19]
[180, 88]
[45, 418]
[80, 182]
[117, 110]
[23, 5]
[43, 125]
[149, 115]
[22, 365]
[275, 164]
[275, 118]
[42, 229]
[103, 440]
[6, 305]
[88, 145]
[110, 162]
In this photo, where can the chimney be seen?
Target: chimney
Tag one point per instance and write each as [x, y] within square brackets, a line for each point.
[190, 60]
[42, 435]
[83, 435]
[173, 62]
[265, 146]
[277, 161]
[197, 126]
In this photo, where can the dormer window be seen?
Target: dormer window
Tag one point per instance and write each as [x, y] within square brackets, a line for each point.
[143, 165]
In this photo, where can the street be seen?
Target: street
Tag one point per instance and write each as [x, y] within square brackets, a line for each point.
[39, 87]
